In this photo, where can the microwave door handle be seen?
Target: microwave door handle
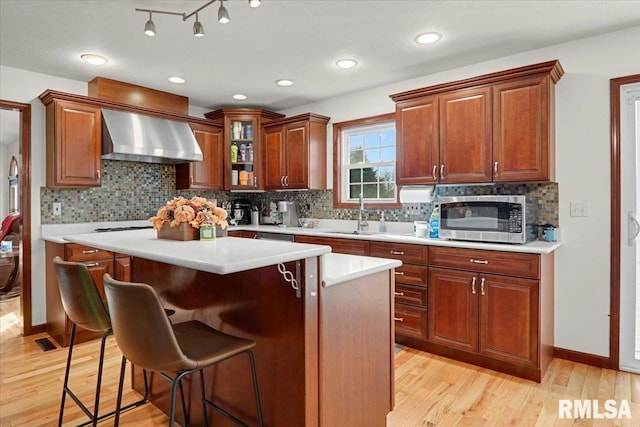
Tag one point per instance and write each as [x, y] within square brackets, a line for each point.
[632, 224]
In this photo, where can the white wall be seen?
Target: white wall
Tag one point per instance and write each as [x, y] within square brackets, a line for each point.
[583, 167]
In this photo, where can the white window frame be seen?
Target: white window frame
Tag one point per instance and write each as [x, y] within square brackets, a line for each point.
[345, 166]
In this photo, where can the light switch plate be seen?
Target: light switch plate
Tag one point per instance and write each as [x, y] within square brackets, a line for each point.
[57, 209]
[412, 208]
[578, 209]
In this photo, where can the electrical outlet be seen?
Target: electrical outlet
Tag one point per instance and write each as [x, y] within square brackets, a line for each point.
[412, 208]
[57, 209]
[578, 209]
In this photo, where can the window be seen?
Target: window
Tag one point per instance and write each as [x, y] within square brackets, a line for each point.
[365, 162]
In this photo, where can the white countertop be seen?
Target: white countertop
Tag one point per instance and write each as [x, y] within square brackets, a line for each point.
[220, 256]
[399, 233]
[339, 268]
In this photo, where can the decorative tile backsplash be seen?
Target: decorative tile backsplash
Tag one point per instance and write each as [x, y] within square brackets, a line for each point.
[133, 191]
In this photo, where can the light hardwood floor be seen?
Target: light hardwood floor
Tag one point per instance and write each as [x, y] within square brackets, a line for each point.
[430, 390]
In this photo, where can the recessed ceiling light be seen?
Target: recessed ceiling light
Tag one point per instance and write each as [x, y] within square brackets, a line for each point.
[284, 82]
[428, 38]
[239, 96]
[94, 59]
[176, 79]
[346, 63]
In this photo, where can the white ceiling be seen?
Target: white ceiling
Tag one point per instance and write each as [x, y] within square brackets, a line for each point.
[294, 39]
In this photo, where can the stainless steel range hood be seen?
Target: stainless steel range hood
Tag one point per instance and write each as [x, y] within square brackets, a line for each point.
[139, 138]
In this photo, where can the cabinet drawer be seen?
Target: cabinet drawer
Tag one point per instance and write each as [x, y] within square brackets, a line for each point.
[409, 254]
[340, 246]
[505, 263]
[76, 252]
[411, 321]
[411, 274]
[408, 294]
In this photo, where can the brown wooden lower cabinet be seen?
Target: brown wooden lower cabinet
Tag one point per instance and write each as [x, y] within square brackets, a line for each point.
[98, 262]
[481, 312]
[410, 321]
[341, 246]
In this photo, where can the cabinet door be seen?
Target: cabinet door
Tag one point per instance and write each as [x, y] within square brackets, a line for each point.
[77, 145]
[453, 309]
[207, 174]
[97, 270]
[273, 158]
[122, 269]
[465, 136]
[296, 143]
[417, 141]
[509, 319]
[523, 131]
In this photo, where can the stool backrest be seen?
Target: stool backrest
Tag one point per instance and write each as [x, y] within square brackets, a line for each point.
[141, 328]
[80, 297]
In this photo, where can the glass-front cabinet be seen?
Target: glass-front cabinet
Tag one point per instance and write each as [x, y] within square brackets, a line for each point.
[242, 145]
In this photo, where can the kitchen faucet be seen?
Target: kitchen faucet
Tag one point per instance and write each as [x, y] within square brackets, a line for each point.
[362, 222]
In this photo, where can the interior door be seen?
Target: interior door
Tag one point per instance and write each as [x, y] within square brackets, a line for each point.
[630, 227]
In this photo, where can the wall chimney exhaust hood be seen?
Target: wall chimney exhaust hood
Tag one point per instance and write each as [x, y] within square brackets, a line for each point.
[139, 138]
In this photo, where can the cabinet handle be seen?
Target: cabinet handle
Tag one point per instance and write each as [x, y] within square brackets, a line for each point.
[98, 173]
[392, 252]
[92, 264]
[495, 168]
[479, 261]
[191, 180]
[482, 286]
[399, 273]
[255, 181]
[282, 181]
[433, 173]
[286, 180]
[89, 251]
[399, 294]
[473, 286]
[399, 319]
[441, 171]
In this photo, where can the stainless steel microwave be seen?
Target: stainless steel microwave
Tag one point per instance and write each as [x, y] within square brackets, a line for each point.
[504, 219]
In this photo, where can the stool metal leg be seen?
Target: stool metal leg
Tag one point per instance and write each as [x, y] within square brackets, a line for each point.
[204, 398]
[66, 374]
[255, 387]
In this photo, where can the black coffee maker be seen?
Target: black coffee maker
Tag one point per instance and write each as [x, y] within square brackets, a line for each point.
[241, 211]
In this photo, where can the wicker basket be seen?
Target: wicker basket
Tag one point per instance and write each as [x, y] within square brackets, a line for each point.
[182, 231]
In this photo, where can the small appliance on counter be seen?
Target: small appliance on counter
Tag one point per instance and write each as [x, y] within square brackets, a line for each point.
[241, 211]
[288, 214]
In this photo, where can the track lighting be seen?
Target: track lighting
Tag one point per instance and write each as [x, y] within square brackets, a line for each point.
[198, 28]
[150, 27]
[223, 15]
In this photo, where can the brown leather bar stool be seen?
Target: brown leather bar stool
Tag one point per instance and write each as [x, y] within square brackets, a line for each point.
[147, 338]
[84, 306]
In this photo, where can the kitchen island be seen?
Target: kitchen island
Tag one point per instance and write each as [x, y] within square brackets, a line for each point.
[321, 321]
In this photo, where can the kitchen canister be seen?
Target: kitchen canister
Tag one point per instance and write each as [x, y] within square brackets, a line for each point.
[234, 177]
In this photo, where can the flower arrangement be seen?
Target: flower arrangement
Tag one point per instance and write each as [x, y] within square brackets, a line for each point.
[195, 212]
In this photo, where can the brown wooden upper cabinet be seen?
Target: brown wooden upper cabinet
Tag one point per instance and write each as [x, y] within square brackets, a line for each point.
[207, 174]
[242, 164]
[497, 127]
[74, 143]
[295, 153]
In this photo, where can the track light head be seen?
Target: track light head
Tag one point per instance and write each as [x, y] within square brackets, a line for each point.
[150, 27]
[198, 29]
[223, 15]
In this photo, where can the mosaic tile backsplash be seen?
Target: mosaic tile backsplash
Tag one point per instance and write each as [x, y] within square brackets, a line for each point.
[133, 191]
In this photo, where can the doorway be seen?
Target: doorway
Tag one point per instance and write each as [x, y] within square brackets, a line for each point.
[630, 227]
[24, 203]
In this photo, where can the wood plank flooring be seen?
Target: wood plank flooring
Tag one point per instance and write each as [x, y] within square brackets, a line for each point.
[430, 390]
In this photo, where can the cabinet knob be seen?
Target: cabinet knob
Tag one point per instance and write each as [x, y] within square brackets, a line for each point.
[473, 286]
